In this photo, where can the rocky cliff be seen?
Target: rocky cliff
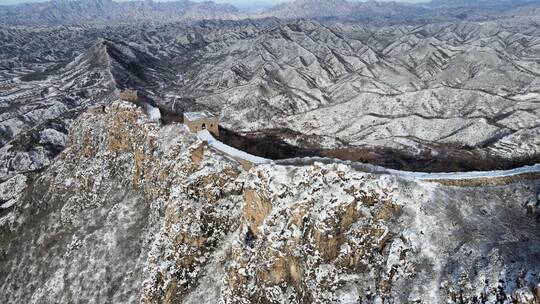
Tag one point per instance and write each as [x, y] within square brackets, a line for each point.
[133, 211]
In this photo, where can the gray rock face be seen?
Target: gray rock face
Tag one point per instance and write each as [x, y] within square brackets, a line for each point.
[134, 212]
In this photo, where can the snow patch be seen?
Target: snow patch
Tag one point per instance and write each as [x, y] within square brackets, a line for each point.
[153, 112]
[204, 135]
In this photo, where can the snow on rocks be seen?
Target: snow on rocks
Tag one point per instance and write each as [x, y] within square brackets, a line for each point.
[305, 161]
[10, 190]
[204, 135]
[32, 160]
[155, 203]
[154, 114]
[52, 137]
[325, 221]
[523, 295]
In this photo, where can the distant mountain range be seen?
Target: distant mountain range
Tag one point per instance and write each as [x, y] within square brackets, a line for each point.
[96, 11]
[373, 12]
[501, 4]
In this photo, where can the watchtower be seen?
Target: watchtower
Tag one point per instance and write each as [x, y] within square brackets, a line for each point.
[204, 120]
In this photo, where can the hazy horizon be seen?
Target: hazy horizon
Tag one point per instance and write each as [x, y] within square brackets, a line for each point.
[233, 2]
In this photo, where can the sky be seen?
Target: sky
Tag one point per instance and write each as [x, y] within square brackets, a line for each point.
[234, 2]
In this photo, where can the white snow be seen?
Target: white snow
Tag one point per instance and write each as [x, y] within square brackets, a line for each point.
[527, 96]
[233, 152]
[9, 203]
[52, 137]
[467, 175]
[410, 174]
[153, 112]
[192, 116]
[10, 189]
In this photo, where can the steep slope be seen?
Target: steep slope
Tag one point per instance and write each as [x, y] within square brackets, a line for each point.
[133, 212]
[39, 105]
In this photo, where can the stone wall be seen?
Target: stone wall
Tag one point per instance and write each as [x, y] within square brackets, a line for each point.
[210, 124]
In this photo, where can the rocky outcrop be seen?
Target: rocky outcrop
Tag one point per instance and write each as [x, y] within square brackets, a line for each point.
[133, 211]
[10, 190]
[256, 209]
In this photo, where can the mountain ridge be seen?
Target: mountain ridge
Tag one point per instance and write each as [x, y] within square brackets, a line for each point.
[99, 11]
[370, 12]
[339, 90]
[133, 211]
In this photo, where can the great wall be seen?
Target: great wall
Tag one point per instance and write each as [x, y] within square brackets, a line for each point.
[205, 125]
[449, 178]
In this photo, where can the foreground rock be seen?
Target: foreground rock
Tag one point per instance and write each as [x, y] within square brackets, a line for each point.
[132, 212]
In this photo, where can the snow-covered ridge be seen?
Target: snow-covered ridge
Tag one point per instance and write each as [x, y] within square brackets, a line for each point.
[468, 175]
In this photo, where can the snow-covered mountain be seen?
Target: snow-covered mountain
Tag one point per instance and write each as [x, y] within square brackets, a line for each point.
[499, 4]
[109, 11]
[372, 12]
[108, 201]
[135, 212]
[346, 91]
